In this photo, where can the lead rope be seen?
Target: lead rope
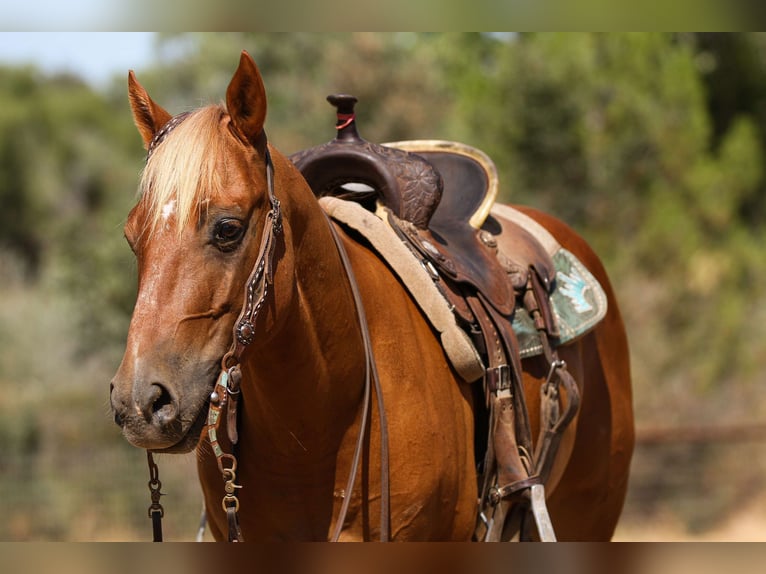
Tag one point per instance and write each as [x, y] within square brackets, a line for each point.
[156, 512]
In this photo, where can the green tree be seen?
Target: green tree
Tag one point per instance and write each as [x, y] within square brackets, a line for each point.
[616, 134]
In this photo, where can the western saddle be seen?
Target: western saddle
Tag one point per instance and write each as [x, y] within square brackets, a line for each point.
[437, 196]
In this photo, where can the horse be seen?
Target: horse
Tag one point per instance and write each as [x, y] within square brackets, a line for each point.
[206, 206]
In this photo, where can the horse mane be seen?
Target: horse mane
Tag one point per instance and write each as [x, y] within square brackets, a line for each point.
[182, 173]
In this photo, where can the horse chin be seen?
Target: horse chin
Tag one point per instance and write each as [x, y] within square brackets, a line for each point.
[189, 441]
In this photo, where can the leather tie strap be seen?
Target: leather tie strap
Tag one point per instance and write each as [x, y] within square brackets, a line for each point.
[235, 533]
[499, 493]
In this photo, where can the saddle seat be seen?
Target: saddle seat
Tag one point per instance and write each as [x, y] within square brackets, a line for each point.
[439, 195]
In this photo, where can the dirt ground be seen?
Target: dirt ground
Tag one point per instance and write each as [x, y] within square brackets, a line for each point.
[747, 524]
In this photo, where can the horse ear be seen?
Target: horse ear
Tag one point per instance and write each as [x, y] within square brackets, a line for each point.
[246, 100]
[148, 116]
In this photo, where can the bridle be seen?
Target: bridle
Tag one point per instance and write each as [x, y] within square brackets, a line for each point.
[227, 389]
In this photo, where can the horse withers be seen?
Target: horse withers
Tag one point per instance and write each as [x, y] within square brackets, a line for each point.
[245, 300]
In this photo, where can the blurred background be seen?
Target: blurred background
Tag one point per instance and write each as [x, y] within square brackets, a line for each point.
[650, 145]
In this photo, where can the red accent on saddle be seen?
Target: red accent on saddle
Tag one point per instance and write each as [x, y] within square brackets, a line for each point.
[346, 120]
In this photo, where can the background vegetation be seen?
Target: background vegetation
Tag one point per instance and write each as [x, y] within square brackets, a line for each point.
[651, 145]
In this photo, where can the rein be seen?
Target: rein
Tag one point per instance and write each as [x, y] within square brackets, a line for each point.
[227, 389]
[371, 375]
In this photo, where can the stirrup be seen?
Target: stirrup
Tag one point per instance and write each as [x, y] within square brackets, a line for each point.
[540, 513]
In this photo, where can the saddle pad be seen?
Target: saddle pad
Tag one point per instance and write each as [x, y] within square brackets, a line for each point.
[578, 303]
[578, 300]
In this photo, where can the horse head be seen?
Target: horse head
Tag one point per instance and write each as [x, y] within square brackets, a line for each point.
[195, 232]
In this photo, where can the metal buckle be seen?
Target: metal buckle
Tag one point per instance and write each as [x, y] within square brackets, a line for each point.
[498, 379]
[430, 269]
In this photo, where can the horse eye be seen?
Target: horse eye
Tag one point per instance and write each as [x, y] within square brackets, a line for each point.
[227, 233]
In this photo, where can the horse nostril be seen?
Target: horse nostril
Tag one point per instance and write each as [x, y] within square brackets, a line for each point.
[162, 408]
[118, 409]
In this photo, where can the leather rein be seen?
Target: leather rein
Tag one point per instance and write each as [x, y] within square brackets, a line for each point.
[227, 390]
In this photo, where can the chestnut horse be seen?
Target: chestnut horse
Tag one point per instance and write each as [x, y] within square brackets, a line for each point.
[196, 231]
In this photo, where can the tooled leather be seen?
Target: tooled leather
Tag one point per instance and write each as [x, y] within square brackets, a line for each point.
[408, 184]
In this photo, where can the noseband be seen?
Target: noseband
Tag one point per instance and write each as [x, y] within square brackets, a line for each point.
[227, 389]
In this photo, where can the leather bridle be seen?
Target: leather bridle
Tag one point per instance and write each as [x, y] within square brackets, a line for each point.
[227, 390]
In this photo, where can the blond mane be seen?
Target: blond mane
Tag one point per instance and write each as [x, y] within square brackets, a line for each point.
[183, 172]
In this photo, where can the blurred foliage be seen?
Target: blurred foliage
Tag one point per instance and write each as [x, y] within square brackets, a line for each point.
[650, 145]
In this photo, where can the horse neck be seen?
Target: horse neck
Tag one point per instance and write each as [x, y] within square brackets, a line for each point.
[304, 382]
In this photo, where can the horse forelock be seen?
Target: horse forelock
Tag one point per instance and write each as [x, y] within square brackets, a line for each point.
[182, 173]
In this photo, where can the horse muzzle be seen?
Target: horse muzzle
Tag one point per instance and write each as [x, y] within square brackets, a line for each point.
[151, 417]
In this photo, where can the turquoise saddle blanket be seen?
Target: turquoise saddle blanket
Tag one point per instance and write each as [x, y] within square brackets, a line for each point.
[578, 301]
